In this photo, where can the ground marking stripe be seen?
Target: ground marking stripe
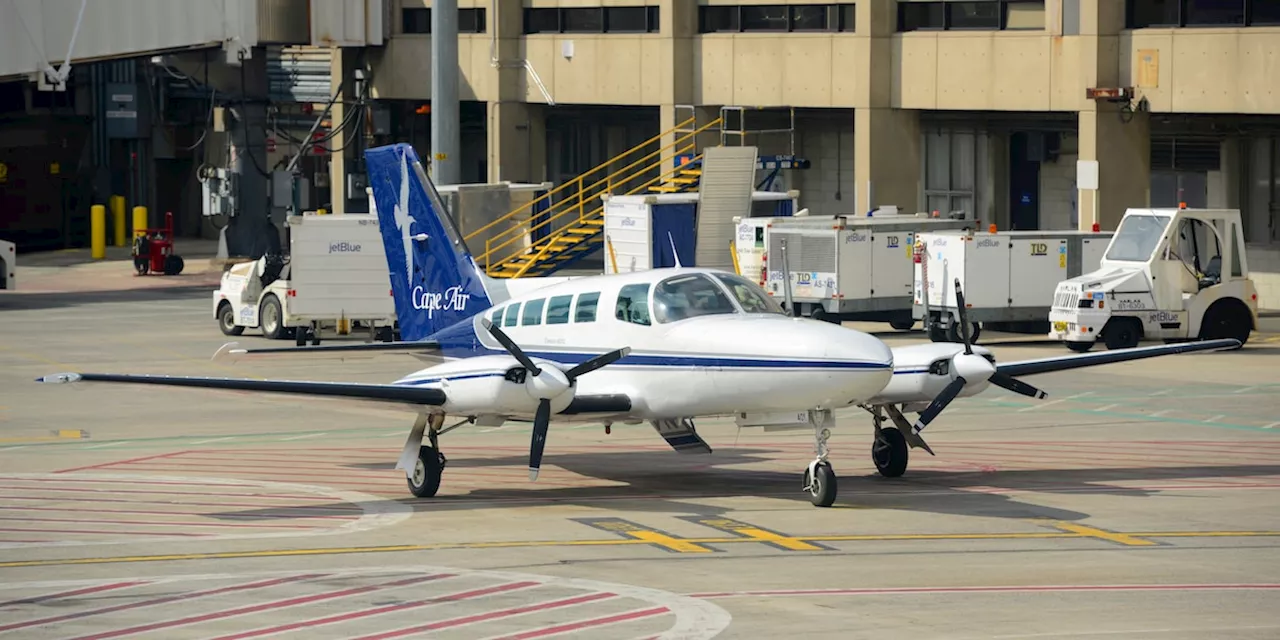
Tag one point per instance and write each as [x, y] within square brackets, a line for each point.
[158, 523]
[491, 615]
[874, 591]
[74, 592]
[155, 601]
[355, 615]
[265, 606]
[1101, 534]
[635, 531]
[760, 534]
[578, 625]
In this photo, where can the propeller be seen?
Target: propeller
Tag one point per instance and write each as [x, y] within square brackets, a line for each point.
[547, 383]
[969, 367]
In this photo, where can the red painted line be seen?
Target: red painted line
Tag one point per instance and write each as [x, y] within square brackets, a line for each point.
[271, 508]
[464, 595]
[119, 462]
[491, 615]
[994, 589]
[145, 512]
[266, 606]
[247, 485]
[157, 523]
[171, 493]
[586, 624]
[75, 592]
[102, 532]
[389, 475]
[155, 601]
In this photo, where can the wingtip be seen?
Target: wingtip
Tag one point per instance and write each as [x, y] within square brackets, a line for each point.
[533, 474]
[228, 352]
[58, 378]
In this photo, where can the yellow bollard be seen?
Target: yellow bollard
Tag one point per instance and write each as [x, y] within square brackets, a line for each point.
[117, 217]
[139, 221]
[98, 231]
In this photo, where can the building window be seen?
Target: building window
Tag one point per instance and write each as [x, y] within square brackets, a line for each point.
[777, 18]
[1142, 14]
[419, 20]
[592, 20]
[986, 15]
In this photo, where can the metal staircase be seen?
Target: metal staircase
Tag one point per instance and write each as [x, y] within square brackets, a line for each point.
[572, 215]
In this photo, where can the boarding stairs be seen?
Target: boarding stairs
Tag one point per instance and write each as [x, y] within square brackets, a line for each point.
[570, 217]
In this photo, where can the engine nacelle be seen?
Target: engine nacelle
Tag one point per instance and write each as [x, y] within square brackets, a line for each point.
[921, 372]
[488, 385]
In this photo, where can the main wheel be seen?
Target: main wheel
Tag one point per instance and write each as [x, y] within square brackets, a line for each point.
[1078, 347]
[227, 320]
[1226, 319]
[822, 488]
[1122, 333]
[427, 471]
[271, 317]
[890, 453]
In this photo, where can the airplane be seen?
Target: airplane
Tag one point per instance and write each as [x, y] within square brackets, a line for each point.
[665, 346]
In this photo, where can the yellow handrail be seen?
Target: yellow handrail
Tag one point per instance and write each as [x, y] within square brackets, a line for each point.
[546, 243]
[548, 194]
[490, 247]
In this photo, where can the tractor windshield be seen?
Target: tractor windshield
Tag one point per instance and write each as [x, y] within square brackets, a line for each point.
[1137, 238]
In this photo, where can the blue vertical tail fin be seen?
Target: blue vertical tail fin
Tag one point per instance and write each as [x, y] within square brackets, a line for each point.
[434, 279]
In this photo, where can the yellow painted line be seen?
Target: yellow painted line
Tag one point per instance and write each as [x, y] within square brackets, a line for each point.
[675, 544]
[615, 542]
[651, 535]
[54, 436]
[1102, 534]
[78, 434]
[772, 538]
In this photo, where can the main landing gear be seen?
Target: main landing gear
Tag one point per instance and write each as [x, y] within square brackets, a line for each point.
[424, 464]
[890, 450]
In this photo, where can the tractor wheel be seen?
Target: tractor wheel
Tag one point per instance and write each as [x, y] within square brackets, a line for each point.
[1122, 333]
[271, 318]
[227, 320]
[1227, 318]
[173, 265]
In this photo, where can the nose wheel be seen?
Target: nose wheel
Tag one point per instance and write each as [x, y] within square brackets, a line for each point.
[819, 478]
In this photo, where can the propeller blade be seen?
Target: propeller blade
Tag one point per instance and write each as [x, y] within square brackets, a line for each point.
[964, 318]
[939, 403]
[1017, 386]
[510, 346]
[540, 423]
[596, 362]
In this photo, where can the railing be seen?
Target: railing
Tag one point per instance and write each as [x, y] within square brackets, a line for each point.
[577, 201]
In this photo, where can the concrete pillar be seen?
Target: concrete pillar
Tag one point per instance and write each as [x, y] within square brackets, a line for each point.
[1121, 144]
[517, 134]
[886, 141]
[337, 161]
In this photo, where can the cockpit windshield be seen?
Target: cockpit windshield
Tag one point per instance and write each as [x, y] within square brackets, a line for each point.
[689, 296]
[749, 294]
[1137, 237]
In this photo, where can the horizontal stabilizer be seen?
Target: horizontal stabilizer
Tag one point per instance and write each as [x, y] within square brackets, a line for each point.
[391, 393]
[426, 349]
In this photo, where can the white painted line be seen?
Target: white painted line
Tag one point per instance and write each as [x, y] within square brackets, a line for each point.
[305, 435]
[1045, 404]
[212, 440]
[104, 445]
[1216, 418]
[1244, 390]
[21, 446]
[1271, 426]
[1160, 413]
[1162, 392]
[1104, 407]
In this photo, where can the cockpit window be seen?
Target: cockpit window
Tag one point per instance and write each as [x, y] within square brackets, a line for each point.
[689, 296]
[1137, 237]
[749, 294]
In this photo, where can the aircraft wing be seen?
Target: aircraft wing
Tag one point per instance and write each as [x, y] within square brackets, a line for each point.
[1063, 363]
[403, 395]
[425, 350]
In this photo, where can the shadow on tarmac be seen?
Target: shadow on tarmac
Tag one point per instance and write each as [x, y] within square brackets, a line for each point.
[18, 301]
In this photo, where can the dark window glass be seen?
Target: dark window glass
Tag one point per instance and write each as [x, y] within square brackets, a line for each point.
[1265, 12]
[558, 309]
[532, 313]
[586, 311]
[654, 16]
[1152, 13]
[513, 314]
[765, 17]
[583, 20]
[416, 20]
[471, 21]
[848, 17]
[541, 20]
[1211, 12]
[973, 15]
[628, 19]
[715, 19]
[920, 15]
[811, 18]
[633, 304]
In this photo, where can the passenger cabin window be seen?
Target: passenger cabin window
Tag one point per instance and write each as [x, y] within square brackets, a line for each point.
[586, 311]
[633, 304]
[558, 309]
[749, 294]
[513, 313]
[495, 316]
[532, 312]
[689, 296]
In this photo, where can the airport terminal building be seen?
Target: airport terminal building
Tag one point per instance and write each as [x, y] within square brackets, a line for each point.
[986, 106]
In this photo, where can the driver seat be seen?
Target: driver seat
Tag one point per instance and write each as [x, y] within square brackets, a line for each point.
[1212, 272]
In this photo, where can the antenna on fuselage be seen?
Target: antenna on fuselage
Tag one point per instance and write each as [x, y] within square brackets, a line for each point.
[674, 255]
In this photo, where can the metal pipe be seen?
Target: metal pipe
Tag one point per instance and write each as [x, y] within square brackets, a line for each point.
[445, 112]
[786, 279]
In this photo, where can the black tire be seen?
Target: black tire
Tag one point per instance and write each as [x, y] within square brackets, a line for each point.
[424, 482]
[822, 491]
[300, 336]
[902, 325]
[1078, 347]
[1227, 318]
[271, 317]
[227, 320]
[936, 333]
[954, 335]
[1122, 333]
[890, 453]
[820, 314]
[173, 265]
